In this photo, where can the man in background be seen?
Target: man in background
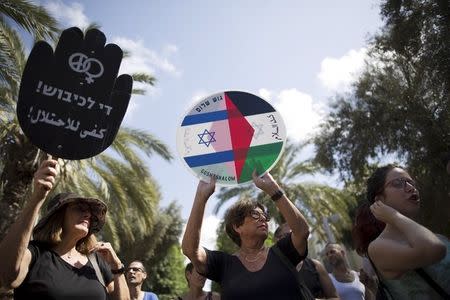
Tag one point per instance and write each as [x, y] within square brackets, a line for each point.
[135, 275]
[346, 280]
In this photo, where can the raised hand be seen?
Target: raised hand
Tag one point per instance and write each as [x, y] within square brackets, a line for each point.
[206, 189]
[44, 178]
[109, 255]
[71, 102]
[383, 212]
[265, 182]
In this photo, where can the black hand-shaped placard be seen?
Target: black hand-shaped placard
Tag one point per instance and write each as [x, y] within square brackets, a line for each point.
[71, 102]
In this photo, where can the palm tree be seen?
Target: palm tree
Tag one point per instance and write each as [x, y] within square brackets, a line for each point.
[314, 200]
[34, 19]
[118, 175]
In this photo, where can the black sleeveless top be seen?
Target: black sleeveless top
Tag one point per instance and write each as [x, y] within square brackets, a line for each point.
[311, 278]
[52, 278]
[274, 281]
[207, 297]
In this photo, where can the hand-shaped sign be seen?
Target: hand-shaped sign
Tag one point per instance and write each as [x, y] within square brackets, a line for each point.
[71, 102]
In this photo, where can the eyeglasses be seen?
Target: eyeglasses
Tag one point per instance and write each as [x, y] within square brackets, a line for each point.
[256, 215]
[400, 183]
[135, 270]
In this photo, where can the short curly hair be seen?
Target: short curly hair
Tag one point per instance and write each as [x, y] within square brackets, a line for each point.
[236, 214]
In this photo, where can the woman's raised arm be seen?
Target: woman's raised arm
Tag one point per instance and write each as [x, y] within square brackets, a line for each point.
[14, 247]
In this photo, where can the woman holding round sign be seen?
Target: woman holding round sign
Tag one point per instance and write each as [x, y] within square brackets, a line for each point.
[255, 271]
[224, 139]
[64, 259]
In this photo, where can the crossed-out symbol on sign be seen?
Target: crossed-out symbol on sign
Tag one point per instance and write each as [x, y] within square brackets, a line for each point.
[80, 63]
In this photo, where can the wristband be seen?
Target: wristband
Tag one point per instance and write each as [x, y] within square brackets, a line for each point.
[120, 270]
[278, 194]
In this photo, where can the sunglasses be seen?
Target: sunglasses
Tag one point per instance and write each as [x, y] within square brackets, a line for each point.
[401, 183]
[135, 270]
[256, 215]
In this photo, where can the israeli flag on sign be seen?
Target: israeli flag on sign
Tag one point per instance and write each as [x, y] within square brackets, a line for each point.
[229, 134]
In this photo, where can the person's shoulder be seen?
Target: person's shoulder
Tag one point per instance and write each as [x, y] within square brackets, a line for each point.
[316, 262]
[318, 265]
[38, 248]
[443, 238]
[39, 244]
[379, 245]
[150, 296]
[219, 253]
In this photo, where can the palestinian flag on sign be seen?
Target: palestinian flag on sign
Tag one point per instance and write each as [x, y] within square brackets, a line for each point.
[227, 135]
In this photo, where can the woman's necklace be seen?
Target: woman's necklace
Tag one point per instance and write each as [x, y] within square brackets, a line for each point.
[69, 254]
[257, 256]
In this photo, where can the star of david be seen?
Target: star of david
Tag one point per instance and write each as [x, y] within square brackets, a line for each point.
[205, 135]
[258, 129]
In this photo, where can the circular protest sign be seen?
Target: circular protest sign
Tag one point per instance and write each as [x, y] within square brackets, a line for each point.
[228, 135]
[71, 102]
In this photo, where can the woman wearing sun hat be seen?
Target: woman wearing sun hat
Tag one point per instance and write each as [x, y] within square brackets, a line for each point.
[64, 259]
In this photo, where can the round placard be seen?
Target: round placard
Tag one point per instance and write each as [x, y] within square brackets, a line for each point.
[228, 135]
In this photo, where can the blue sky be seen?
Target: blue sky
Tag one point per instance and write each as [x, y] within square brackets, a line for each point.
[295, 54]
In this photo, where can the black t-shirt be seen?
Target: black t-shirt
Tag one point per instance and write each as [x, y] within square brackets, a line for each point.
[274, 281]
[51, 278]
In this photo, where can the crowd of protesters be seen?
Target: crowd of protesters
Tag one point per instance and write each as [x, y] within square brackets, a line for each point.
[58, 256]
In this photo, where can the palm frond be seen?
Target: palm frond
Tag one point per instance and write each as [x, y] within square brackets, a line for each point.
[144, 141]
[92, 25]
[33, 18]
[144, 78]
[12, 58]
[138, 91]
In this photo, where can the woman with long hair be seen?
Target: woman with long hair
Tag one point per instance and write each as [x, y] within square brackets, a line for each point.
[412, 262]
[64, 259]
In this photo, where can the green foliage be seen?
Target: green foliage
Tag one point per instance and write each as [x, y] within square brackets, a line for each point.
[135, 225]
[31, 17]
[157, 247]
[144, 78]
[400, 106]
[223, 241]
[168, 279]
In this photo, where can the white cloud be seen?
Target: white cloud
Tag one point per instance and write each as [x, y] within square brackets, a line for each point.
[301, 116]
[208, 235]
[337, 74]
[143, 59]
[209, 232]
[68, 14]
[170, 49]
[198, 95]
[265, 94]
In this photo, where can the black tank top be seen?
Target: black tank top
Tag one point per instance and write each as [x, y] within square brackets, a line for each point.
[311, 278]
[207, 297]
